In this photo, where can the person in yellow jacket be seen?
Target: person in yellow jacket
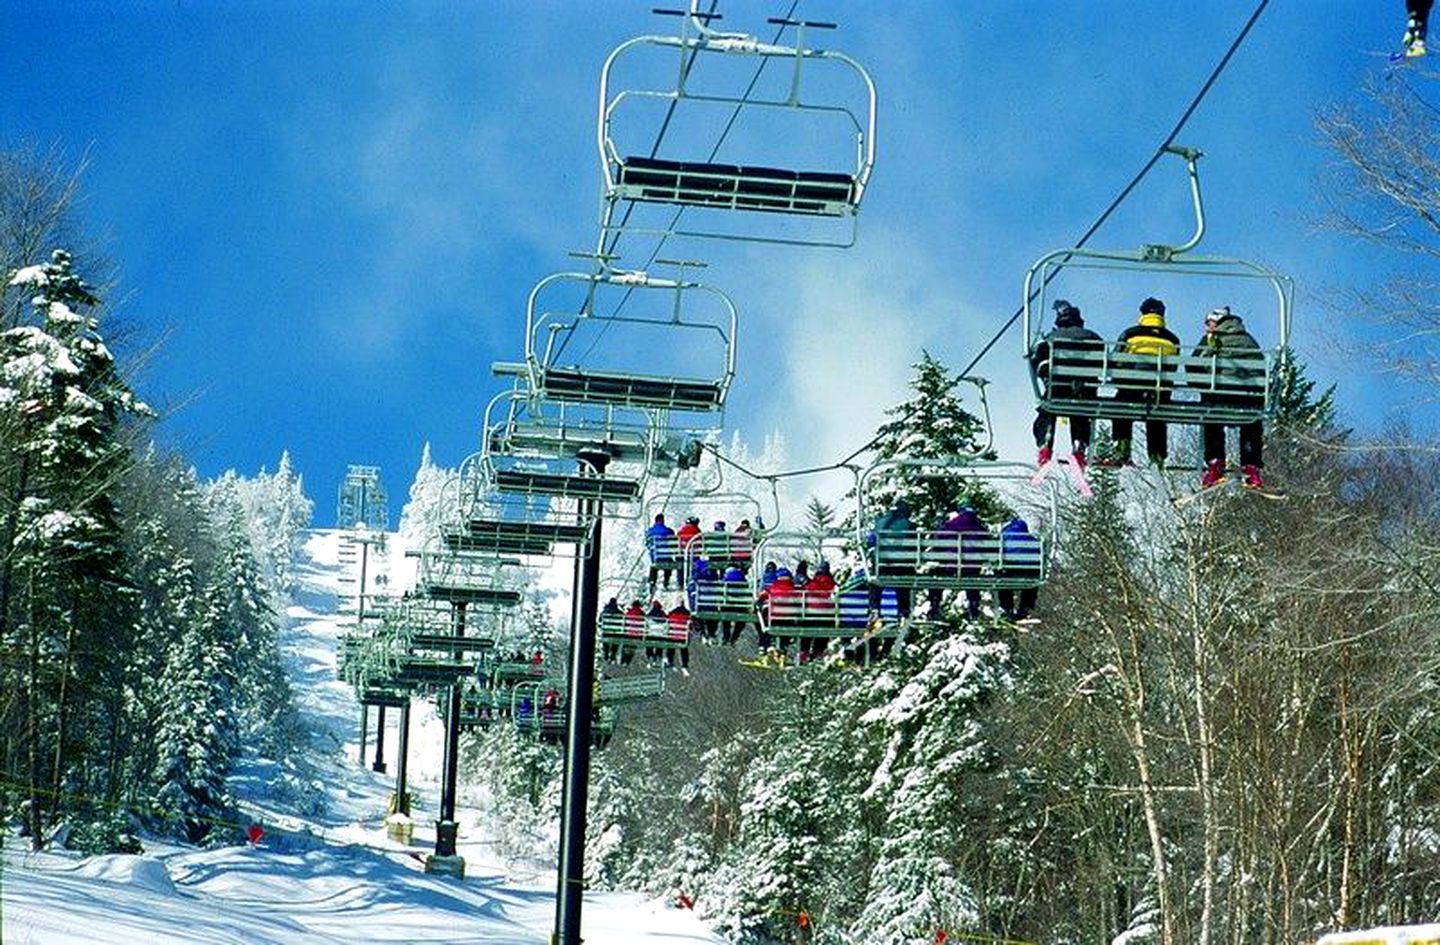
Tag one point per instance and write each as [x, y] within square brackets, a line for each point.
[1147, 337]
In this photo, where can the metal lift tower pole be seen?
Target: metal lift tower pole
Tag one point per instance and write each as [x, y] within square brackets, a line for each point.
[577, 729]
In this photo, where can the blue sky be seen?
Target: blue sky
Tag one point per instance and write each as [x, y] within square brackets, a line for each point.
[338, 209]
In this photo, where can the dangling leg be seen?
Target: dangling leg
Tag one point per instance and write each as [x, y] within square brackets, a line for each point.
[1251, 452]
[1157, 442]
[1212, 439]
[1080, 430]
[1044, 430]
[1417, 26]
[1006, 598]
[1028, 597]
[1121, 430]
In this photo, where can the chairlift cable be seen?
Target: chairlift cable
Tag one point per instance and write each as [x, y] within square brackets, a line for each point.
[660, 243]
[660, 135]
[1135, 181]
[1094, 227]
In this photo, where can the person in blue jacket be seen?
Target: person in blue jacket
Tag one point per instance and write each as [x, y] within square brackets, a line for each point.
[664, 551]
[702, 573]
[739, 586]
[1020, 557]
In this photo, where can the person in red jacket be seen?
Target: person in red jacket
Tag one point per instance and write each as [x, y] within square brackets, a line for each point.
[634, 629]
[678, 621]
[819, 601]
[684, 535]
[780, 601]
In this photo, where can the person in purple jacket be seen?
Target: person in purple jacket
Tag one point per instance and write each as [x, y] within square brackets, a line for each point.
[951, 541]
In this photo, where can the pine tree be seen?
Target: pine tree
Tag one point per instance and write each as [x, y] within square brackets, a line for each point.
[62, 583]
[431, 504]
[936, 755]
[247, 624]
[933, 424]
[820, 519]
[194, 739]
[167, 539]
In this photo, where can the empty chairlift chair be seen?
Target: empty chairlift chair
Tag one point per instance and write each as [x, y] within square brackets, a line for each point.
[630, 340]
[498, 523]
[520, 423]
[832, 110]
[464, 578]
[518, 470]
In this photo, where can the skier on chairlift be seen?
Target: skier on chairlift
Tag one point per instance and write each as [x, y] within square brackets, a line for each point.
[1227, 341]
[1148, 337]
[895, 521]
[1417, 24]
[660, 543]
[1069, 326]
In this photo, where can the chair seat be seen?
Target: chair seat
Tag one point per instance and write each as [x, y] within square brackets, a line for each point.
[630, 390]
[780, 190]
[522, 482]
[1091, 379]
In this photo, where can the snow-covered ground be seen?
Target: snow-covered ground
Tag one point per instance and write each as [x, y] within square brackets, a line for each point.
[322, 877]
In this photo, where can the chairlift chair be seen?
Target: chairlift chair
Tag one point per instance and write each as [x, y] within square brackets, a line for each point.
[1095, 379]
[930, 557]
[614, 690]
[666, 312]
[530, 717]
[651, 633]
[460, 577]
[502, 673]
[632, 176]
[513, 468]
[618, 690]
[502, 524]
[423, 673]
[481, 707]
[806, 614]
[720, 548]
[519, 422]
[389, 697]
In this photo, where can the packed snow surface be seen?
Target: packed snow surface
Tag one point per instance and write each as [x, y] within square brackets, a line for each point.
[331, 877]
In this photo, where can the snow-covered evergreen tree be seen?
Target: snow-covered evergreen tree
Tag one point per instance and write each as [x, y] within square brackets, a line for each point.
[433, 501]
[933, 423]
[276, 512]
[935, 755]
[62, 584]
[247, 627]
[195, 735]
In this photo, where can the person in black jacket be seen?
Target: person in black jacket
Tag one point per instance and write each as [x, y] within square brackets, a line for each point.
[1069, 326]
[1417, 24]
